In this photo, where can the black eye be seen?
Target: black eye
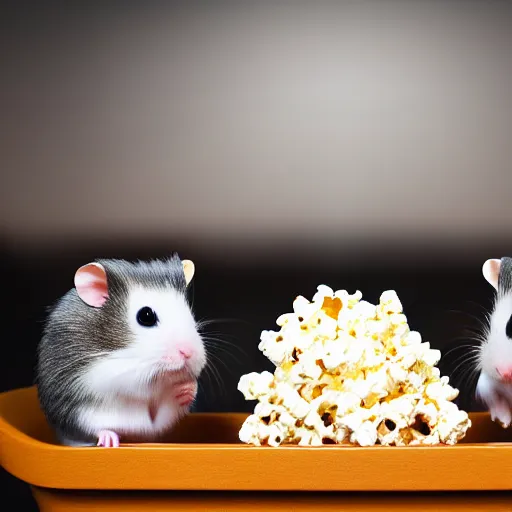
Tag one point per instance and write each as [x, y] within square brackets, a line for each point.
[147, 317]
[508, 329]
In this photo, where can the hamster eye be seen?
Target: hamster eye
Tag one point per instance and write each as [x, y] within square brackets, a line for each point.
[147, 317]
[508, 329]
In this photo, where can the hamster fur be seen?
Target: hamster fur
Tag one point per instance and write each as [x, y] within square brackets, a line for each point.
[120, 354]
[494, 387]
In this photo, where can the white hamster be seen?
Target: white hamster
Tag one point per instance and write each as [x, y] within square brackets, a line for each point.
[494, 387]
[121, 353]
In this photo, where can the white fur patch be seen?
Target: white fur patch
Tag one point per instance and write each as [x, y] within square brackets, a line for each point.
[132, 371]
[176, 323]
[127, 380]
[497, 397]
[125, 416]
[496, 352]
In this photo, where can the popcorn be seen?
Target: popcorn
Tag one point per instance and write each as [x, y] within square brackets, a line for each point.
[350, 372]
[255, 384]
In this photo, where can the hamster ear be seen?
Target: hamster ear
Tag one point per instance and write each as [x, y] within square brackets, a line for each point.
[491, 271]
[189, 269]
[91, 284]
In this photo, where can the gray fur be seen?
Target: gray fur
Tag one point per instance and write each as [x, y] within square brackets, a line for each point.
[505, 277]
[74, 332]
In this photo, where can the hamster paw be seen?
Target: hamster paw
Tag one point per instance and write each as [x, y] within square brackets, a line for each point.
[500, 413]
[108, 439]
[497, 404]
[185, 393]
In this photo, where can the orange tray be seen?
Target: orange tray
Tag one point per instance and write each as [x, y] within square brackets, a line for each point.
[204, 454]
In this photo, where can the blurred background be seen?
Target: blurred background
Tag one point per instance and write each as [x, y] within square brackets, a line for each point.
[280, 145]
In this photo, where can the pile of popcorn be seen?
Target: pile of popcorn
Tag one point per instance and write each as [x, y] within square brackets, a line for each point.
[349, 372]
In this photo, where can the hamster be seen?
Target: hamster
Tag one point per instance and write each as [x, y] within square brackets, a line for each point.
[494, 386]
[120, 354]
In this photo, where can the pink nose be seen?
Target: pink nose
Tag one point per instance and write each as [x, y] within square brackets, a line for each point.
[186, 352]
[505, 374]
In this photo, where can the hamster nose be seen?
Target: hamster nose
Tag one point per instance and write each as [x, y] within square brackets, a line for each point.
[186, 352]
[505, 373]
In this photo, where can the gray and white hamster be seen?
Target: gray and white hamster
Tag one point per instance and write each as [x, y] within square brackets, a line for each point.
[121, 353]
[494, 387]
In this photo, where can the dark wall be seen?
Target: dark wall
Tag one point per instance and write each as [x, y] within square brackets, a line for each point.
[443, 298]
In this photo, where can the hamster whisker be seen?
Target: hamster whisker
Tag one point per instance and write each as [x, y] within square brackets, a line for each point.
[469, 356]
[218, 377]
[215, 378]
[215, 336]
[469, 361]
[482, 325]
[220, 361]
[219, 336]
[234, 339]
[473, 353]
[465, 351]
[203, 376]
[202, 391]
[478, 332]
[471, 376]
[223, 345]
[474, 383]
[228, 345]
[216, 350]
[469, 349]
[482, 308]
[469, 342]
[204, 322]
[213, 366]
[464, 313]
[465, 383]
[217, 356]
[477, 319]
[469, 364]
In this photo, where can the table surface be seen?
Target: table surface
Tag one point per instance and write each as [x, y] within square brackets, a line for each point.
[196, 458]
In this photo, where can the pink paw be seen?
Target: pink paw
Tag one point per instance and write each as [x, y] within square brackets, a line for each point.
[108, 439]
[185, 393]
[500, 412]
